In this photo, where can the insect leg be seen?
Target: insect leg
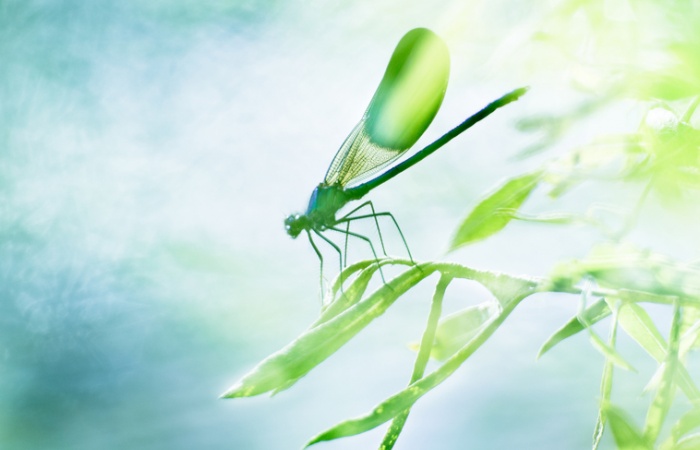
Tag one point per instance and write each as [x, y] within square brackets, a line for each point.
[366, 239]
[345, 255]
[337, 249]
[320, 259]
[374, 214]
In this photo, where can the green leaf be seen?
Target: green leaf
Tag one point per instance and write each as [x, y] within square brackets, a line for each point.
[655, 380]
[591, 315]
[666, 391]
[357, 288]
[625, 433]
[662, 402]
[609, 352]
[639, 326]
[606, 380]
[618, 266]
[457, 329]
[690, 331]
[495, 211]
[687, 423]
[426, 346]
[284, 368]
[351, 270]
[555, 218]
[405, 399]
[666, 86]
[689, 443]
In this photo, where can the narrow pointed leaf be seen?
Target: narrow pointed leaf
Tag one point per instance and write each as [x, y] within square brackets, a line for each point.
[661, 403]
[625, 433]
[690, 331]
[689, 443]
[610, 353]
[457, 329]
[354, 292]
[606, 382]
[639, 270]
[426, 346]
[348, 272]
[666, 392]
[639, 326]
[591, 315]
[655, 380]
[690, 421]
[549, 218]
[405, 399]
[495, 211]
[288, 365]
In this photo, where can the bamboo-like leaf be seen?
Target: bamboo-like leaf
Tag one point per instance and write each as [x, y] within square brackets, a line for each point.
[403, 400]
[495, 211]
[348, 272]
[639, 326]
[625, 433]
[548, 218]
[610, 353]
[426, 346]
[288, 365]
[355, 291]
[623, 265]
[458, 328]
[661, 403]
[687, 423]
[664, 395]
[591, 315]
[606, 381]
[668, 85]
[655, 380]
[689, 443]
[690, 331]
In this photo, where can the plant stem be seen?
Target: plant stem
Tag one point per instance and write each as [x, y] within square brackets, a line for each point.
[426, 346]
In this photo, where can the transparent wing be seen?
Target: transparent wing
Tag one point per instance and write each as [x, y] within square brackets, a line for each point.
[402, 108]
[359, 157]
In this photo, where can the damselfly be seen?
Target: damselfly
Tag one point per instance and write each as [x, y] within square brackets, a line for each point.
[402, 108]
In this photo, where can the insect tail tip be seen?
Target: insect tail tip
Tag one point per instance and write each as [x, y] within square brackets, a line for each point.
[521, 90]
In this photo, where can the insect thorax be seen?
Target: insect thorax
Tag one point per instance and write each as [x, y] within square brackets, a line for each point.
[324, 203]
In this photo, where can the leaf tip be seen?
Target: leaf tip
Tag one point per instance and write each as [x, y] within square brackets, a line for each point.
[542, 351]
[234, 391]
[314, 440]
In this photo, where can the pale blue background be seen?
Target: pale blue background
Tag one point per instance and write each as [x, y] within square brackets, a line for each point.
[149, 152]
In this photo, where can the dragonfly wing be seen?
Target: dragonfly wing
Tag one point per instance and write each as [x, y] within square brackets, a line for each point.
[358, 157]
[402, 108]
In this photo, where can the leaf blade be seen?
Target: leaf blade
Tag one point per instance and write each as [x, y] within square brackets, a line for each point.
[625, 433]
[593, 314]
[285, 367]
[405, 399]
[455, 330]
[495, 211]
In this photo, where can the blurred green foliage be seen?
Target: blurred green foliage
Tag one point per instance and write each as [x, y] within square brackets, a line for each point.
[641, 54]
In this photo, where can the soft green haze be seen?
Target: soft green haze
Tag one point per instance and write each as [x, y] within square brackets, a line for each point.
[149, 152]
